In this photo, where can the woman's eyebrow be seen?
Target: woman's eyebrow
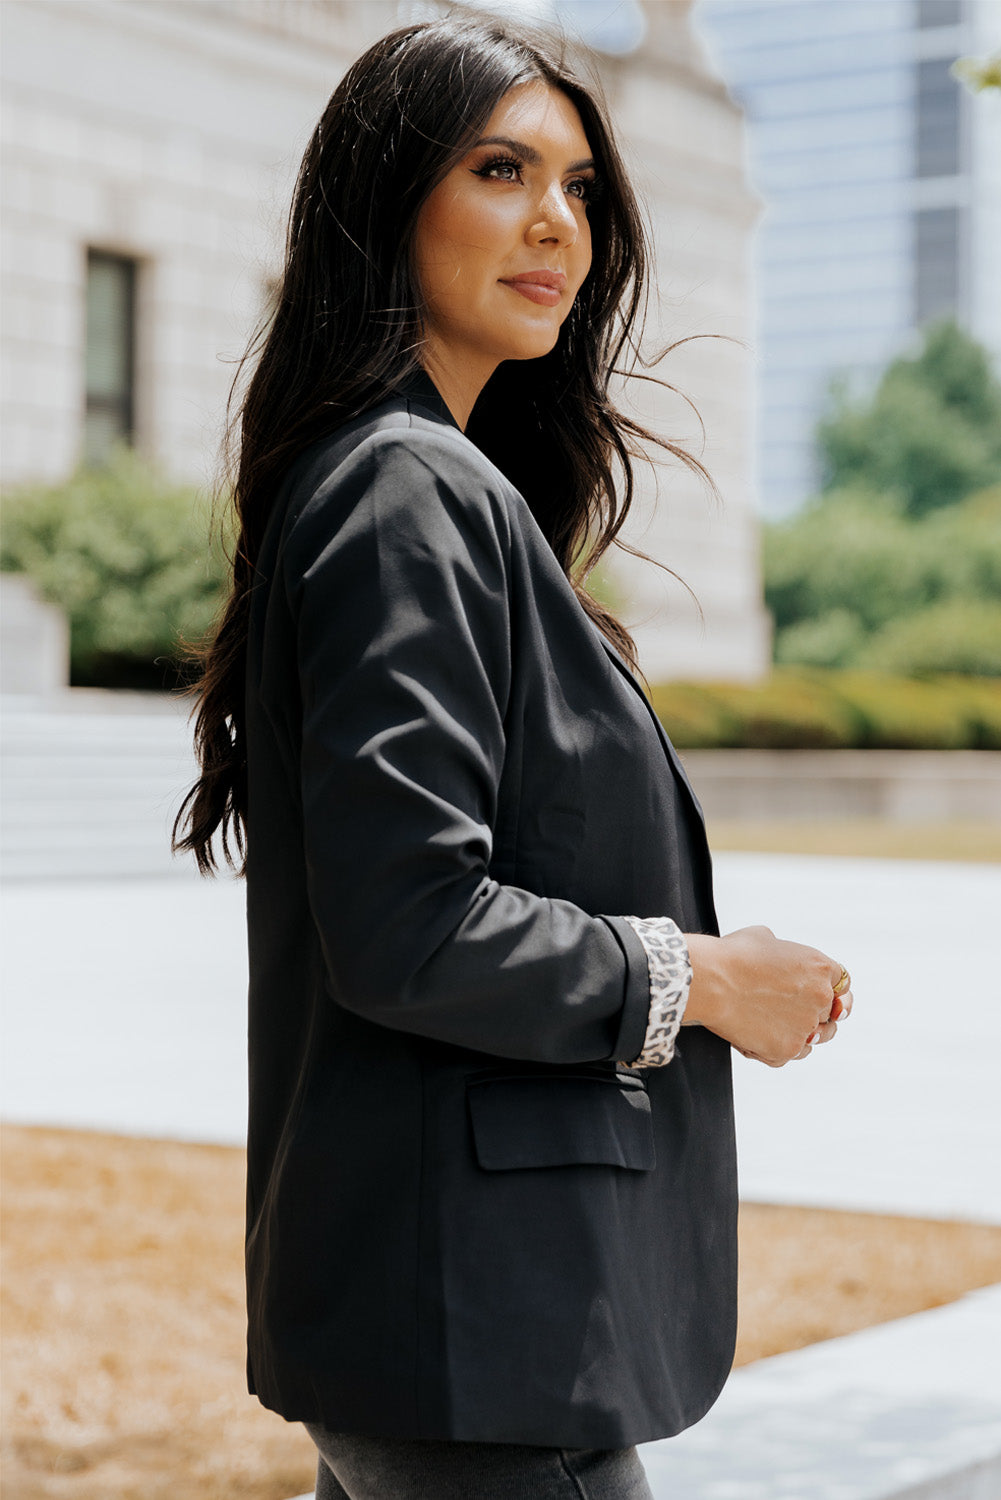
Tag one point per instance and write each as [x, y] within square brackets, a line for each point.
[529, 153]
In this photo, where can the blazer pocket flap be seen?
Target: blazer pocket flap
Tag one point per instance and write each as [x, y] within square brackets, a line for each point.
[556, 1120]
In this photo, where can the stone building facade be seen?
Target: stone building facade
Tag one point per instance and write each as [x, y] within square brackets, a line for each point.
[150, 152]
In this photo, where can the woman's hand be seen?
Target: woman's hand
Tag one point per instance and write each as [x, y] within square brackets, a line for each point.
[771, 999]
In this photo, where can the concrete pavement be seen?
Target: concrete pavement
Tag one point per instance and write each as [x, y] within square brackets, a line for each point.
[902, 1111]
[909, 1409]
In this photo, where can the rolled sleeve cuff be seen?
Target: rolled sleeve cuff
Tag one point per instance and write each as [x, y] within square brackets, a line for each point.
[635, 1012]
[669, 980]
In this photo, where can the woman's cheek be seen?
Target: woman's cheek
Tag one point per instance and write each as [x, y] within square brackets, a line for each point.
[491, 228]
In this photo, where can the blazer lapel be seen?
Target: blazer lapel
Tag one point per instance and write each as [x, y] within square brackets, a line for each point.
[669, 749]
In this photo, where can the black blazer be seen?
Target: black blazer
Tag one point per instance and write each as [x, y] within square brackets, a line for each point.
[463, 1222]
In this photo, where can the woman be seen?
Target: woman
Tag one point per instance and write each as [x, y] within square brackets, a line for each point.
[491, 1199]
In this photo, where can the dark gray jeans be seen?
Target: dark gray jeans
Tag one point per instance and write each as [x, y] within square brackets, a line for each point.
[353, 1467]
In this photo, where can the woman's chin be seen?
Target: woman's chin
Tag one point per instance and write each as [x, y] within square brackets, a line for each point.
[535, 347]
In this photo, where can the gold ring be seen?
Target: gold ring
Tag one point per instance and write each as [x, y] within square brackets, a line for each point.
[844, 982]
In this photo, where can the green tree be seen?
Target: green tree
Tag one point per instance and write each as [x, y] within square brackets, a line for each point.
[854, 583]
[928, 436]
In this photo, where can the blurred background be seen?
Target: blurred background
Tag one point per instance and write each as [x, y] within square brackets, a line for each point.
[823, 184]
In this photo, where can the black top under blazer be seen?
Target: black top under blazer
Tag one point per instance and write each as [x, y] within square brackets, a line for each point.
[463, 1221]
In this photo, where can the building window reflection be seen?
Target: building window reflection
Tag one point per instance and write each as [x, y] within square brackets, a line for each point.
[936, 263]
[109, 354]
[939, 13]
[937, 139]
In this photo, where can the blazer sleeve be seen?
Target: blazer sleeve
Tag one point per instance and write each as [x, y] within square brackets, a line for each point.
[397, 571]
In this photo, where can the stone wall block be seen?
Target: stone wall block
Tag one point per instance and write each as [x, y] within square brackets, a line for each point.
[34, 640]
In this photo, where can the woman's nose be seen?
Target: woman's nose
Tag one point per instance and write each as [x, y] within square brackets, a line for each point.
[554, 218]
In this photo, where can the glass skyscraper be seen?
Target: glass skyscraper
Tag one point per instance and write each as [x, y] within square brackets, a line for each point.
[881, 177]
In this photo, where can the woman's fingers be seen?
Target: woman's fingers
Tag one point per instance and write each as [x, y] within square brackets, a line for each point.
[825, 1031]
[842, 1005]
[772, 999]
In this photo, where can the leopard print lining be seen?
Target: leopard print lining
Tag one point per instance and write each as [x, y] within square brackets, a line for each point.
[670, 974]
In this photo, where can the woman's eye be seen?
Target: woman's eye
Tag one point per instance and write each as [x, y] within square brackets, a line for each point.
[585, 188]
[509, 169]
[501, 169]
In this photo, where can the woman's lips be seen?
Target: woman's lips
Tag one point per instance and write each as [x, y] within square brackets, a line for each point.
[543, 287]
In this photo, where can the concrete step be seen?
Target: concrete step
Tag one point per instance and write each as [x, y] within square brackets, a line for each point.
[897, 786]
[91, 784]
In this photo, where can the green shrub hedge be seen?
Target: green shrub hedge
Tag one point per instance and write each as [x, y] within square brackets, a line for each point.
[130, 556]
[854, 584]
[799, 710]
[132, 559]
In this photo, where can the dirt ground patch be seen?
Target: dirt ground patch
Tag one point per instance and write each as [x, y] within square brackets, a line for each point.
[124, 1320]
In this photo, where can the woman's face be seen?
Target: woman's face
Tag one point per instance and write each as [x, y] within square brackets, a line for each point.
[502, 244]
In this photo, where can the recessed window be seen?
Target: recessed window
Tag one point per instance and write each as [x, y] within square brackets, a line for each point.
[937, 123]
[939, 12]
[110, 354]
[936, 263]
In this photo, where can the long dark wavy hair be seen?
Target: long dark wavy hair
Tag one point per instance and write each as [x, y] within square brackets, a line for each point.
[346, 330]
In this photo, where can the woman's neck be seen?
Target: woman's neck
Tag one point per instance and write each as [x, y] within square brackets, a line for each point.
[459, 381]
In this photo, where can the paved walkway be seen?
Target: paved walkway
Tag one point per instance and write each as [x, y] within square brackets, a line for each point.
[124, 1011]
[901, 1111]
[910, 1409]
